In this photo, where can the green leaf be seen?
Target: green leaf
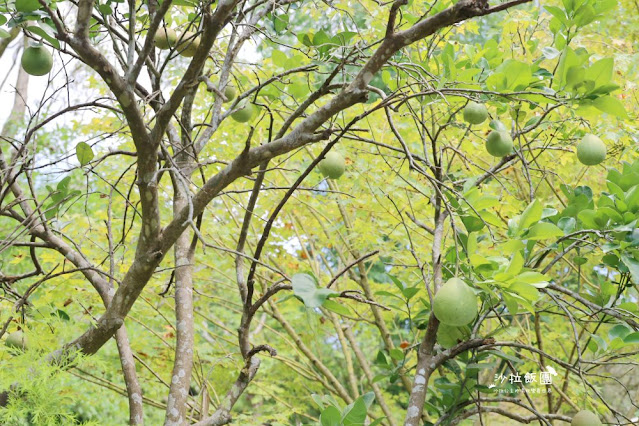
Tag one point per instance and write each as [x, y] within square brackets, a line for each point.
[610, 260]
[63, 185]
[368, 398]
[397, 282]
[534, 278]
[616, 343]
[580, 260]
[511, 303]
[50, 211]
[336, 307]
[530, 215]
[279, 58]
[320, 38]
[510, 247]
[610, 105]
[589, 219]
[105, 9]
[305, 39]
[557, 13]
[515, 265]
[518, 74]
[632, 265]
[342, 38]
[280, 22]
[570, 5]
[602, 6]
[628, 306]
[543, 231]
[322, 42]
[618, 330]
[28, 6]
[396, 354]
[632, 198]
[4, 33]
[498, 126]
[84, 153]
[574, 76]
[60, 313]
[471, 243]
[526, 291]
[388, 294]
[585, 15]
[319, 400]
[410, 292]
[550, 52]
[355, 414]
[568, 59]
[472, 223]
[600, 72]
[600, 343]
[604, 90]
[330, 417]
[381, 359]
[632, 338]
[567, 224]
[305, 288]
[46, 33]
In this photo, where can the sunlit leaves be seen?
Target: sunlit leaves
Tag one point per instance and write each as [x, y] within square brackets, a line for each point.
[306, 289]
[530, 215]
[58, 196]
[353, 414]
[511, 75]
[544, 231]
[610, 105]
[84, 153]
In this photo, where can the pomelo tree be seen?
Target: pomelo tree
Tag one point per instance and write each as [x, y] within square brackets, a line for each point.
[244, 211]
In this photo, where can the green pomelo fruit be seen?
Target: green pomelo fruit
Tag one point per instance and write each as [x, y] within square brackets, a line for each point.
[229, 93]
[27, 6]
[499, 144]
[37, 60]
[448, 336]
[333, 165]
[475, 113]
[16, 340]
[455, 303]
[585, 418]
[165, 38]
[244, 114]
[189, 44]
[591, 150]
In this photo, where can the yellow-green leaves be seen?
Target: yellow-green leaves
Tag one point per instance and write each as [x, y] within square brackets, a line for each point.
[530, 220]
[610, 105]
[511, 75]
[84, 153]
[530, 215]
[544, 231]
[590, 83]
[305, 288]
[517, 284]
[331, 414]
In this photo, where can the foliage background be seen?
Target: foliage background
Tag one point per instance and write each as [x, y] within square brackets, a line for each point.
[326, 225]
